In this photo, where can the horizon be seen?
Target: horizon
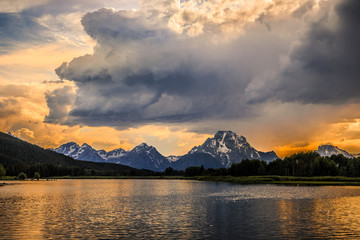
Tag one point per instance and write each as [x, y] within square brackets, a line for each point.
[114, 74]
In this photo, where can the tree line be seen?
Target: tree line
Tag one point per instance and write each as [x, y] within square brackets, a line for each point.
[52, 170]
[307, 164]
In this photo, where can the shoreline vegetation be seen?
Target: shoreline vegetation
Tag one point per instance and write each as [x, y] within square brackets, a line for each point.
[284, 180]
[277, 180]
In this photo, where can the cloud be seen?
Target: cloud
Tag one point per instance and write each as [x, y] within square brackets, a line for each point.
[230, 17]
[14, 91]
[33, 23]
[16, 28]
[55, 7]
[24, 133]
[324, 68]
[12, 6]
[7, 107]
[149, 66]
[53, 81]
[59, 102]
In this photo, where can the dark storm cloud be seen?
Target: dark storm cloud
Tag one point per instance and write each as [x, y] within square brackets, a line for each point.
[182, 94]
[325, 68]
[144, 71]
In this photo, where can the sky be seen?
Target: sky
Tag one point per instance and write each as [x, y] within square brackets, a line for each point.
[283, 73]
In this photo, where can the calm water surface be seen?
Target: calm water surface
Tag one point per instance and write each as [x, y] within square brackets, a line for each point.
[176, 209]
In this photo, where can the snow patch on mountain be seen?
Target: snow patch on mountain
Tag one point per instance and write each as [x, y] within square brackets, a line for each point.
[172, 158]
[329, 150]
[228, 148]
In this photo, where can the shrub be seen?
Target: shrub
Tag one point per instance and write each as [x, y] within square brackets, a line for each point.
[36, 176]
[22, 176]
[2, 171]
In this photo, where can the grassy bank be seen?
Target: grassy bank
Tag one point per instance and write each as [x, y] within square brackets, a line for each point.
[4, 178]
[123, 177]
[329, 181]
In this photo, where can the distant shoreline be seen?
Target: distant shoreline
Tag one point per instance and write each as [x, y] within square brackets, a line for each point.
[277, 180]
[284, 180]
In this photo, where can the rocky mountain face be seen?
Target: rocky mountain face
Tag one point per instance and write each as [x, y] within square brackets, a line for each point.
[144, 157]
[228, 148]
[141, 157]
[224, 149]
[85, 152]
[328, 150]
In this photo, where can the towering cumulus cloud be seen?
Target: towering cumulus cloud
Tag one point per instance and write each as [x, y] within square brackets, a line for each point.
[172, 62]
[325, 67]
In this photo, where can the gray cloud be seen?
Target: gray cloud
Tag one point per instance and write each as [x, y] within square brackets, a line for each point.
[53, 81]
[142, 71]
[18, 28]
[325, 67]
[59, 102]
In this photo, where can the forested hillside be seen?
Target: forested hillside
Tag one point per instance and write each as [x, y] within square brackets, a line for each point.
[19, 156]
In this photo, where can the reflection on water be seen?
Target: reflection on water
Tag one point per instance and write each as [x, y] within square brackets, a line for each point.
[176, 209]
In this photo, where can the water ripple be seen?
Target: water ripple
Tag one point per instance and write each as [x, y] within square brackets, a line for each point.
[176, 209]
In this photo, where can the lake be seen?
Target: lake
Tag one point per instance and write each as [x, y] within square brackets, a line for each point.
[176, 209]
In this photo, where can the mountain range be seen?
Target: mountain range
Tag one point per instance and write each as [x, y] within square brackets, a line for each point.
[224, 149]
[328, 150]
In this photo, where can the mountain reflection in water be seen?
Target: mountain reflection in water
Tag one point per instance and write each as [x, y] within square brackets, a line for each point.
[176, 209]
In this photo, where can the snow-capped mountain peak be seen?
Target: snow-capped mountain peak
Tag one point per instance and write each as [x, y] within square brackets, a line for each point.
[142, 146]
[328, 150]
[68, 149]
[228, 147]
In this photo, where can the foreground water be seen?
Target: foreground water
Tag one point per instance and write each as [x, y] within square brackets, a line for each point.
[176, 209]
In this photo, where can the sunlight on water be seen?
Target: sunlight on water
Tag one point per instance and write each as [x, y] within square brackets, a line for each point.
[176, 209]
